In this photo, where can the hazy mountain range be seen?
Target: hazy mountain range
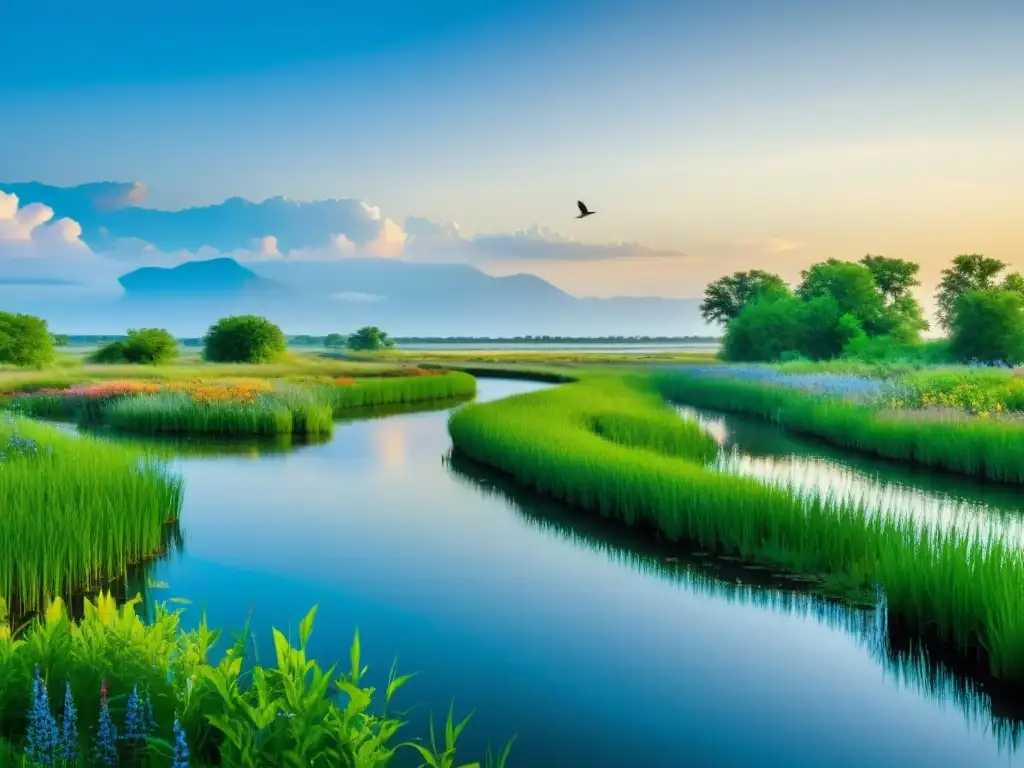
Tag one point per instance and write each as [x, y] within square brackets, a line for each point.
[304, 291]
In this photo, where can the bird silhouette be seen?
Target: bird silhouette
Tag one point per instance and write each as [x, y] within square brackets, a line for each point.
[583, 210]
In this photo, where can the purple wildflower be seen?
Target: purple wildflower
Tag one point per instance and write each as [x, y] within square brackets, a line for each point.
[134, 722]
[69, 728]
[106, 739]
[180, 746]
[42, 726]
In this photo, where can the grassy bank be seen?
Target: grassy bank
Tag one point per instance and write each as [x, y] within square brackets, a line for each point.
[950, 440]
[75, 510]
[112, 689]
[299, 405]
[967, 592]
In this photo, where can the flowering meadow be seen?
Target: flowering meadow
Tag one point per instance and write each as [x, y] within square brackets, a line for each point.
[111, 690]
[234, 406]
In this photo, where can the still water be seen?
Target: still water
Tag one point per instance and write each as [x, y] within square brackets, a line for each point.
[589, 643]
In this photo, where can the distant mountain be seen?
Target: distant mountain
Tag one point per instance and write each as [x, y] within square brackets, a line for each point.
[405, 298]
[36, 281]
[215, 278]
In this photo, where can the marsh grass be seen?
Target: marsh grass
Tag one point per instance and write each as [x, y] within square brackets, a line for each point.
[968, 590]
[397, 391]
[75, 510]
[990, 449]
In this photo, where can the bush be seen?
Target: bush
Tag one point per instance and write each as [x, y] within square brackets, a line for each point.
[148, 346]
[243, 339]
[369, 338]
[24, 340]
[988, 326]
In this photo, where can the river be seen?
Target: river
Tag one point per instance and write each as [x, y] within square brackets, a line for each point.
[592, 645]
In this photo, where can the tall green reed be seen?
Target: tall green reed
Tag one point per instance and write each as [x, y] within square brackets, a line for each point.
[992, 449]
[968, 590]
[75, 510]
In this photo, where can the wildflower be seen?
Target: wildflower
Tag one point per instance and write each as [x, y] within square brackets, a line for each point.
[134, 722]
[106, 739]
[180, 746]
[42, 727]
[69, 728]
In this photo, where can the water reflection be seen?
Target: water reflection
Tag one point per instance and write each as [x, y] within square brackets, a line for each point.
[986, 706]
[768, 453]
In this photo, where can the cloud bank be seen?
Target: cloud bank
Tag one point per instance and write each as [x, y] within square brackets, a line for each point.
[115, 235]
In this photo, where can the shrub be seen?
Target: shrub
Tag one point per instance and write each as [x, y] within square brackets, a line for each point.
[243, 339]
[369, 338]
[24, 340]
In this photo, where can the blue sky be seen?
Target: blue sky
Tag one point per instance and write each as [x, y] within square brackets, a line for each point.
[732, 131]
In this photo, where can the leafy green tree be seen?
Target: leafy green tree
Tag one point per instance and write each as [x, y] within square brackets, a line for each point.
[335, 340]
[852, 286]
[243, 339]
[893, 277]
[61, 340]
[24, 340]
[727, 297]
[988, 325]
[1013, 282]
[145, 346]
[369, 338]
[766, 329]
[970, 272]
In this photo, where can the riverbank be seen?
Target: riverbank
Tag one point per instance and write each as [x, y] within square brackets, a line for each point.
[959, 587]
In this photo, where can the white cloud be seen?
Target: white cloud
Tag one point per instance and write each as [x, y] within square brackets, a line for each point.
[35, 246]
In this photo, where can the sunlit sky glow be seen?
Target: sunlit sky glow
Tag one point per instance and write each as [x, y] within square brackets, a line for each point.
[743, 134]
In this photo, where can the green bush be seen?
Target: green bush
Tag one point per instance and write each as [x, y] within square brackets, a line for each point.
[243, 339]
[147, 346]
[25, 340]
[988, 326]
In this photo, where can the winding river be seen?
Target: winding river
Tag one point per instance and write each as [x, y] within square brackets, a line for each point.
[591, 644]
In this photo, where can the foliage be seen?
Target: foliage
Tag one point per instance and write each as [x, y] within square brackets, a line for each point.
[75, 509]
[969, 272]
[335, 341]
[988, 326]
[852, 287]
[764, 330]
[61, 340]
[957, 586]
[894, 277]
[727, 297]
[25, 340]
[146, 346]
[156, 686]
[369, 338]
[243, 339]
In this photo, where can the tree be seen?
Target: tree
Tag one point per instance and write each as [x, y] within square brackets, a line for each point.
[61, 340]
[893, 277]
[145, 346]
[970, 272]
[854, 289]
[24, 340]
[368, 339]
[243, 339]
[335, 341]
[988, 325]
[728, 296]
[1013, 282]
[764, 330]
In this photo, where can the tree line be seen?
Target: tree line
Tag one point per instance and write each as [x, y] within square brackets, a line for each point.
[865, 310]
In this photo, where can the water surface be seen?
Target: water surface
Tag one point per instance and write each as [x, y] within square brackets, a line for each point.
[594, 646]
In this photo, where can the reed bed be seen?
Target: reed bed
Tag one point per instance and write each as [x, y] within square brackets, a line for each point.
[75, 510]
[966, 590]
[369, 392]
[986, 448]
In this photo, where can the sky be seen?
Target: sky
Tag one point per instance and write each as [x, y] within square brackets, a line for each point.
[709, 137]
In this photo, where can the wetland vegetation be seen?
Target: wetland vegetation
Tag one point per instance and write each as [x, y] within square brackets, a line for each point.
[938, 602]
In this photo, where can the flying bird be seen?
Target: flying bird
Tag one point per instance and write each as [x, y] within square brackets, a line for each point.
[583, 210]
